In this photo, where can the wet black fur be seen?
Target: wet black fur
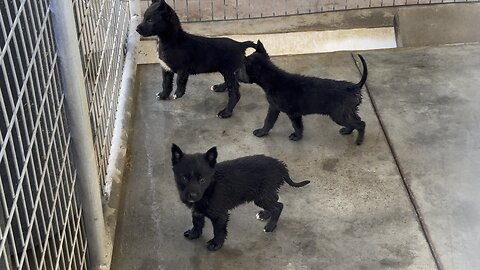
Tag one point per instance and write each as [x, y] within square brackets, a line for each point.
[298, 95]
[187, 54]
[211, 189]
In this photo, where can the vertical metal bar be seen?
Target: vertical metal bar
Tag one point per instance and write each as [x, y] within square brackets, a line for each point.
[77, 113]
[186, 7]
[249, 8]
[6, 251]
[236, 8]
[200, 9]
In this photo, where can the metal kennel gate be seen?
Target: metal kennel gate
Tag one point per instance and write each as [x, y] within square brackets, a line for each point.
[50, 205]
[102, 31]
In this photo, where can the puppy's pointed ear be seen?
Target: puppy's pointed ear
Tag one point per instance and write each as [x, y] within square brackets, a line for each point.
[177, 154]
[211, 156]
[161, 6]
[260, 48]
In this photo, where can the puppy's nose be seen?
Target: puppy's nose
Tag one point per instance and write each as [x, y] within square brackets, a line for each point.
[139, 29]
[193, 195]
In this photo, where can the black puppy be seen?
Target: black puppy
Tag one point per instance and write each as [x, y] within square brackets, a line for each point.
[185, 54]
[211, 189]
[298, 95]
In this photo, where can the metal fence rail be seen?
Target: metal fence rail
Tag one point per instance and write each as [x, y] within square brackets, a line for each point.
[102, 30]
[41, 219]
[217, 10]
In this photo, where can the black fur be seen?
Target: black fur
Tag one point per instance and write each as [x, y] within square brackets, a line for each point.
[186, 54]
[298, 95]
[212, 189]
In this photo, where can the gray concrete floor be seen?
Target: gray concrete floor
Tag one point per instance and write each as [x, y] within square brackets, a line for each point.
[357, 212]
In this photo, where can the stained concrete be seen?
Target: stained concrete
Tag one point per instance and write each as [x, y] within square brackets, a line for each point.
[355, 214]
[439, 24]
[428, 99]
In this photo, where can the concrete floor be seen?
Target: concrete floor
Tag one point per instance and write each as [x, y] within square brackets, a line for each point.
[357, 212]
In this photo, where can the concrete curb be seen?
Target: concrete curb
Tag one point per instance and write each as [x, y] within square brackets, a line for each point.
[123, 122]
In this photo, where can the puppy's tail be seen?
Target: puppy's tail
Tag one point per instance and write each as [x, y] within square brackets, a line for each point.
[249, 44]
[360, 84]
[294, 184]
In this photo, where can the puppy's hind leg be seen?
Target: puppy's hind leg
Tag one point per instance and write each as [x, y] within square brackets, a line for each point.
[263, 214]
[276, 210]
[233, 96]
[346, 130]
[272, 209]
[297, 126]
[355, 122]
[360, 126]
[167, 84]
[219, 87]
[350, 121]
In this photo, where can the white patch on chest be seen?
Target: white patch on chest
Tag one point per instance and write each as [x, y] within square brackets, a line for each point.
[162, 63]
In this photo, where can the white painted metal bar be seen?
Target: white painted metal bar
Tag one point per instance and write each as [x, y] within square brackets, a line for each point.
[79, 122]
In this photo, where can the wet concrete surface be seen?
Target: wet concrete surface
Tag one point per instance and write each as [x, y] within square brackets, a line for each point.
[356, 213]
[430, 111]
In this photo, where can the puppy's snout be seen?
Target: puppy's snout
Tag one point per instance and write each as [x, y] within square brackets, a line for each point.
[140, 29]
[193, 195]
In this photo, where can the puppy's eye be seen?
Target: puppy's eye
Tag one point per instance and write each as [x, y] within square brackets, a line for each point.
[149, 20]
[202, 180]
[185, 179]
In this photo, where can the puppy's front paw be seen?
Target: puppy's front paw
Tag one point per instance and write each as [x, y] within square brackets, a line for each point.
[212, 245]
[224, 114]
[295, 137]
[178, 95]
[162, 96]
[192, 234]
[260, 132]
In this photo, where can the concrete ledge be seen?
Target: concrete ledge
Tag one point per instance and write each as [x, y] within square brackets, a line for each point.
[324, 41]
[438, 24]
[300, 34]
[416, 25]
[302, 42]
